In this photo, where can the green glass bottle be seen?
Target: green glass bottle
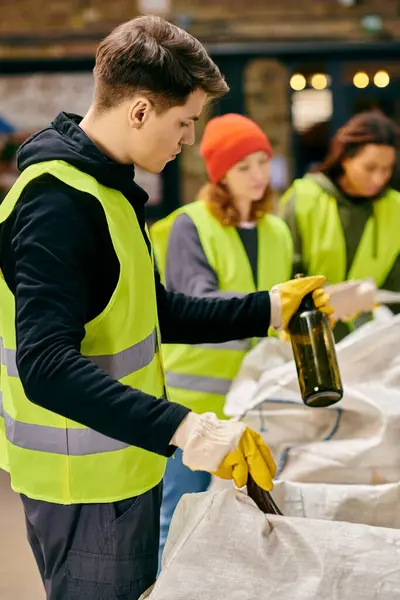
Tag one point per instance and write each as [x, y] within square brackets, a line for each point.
[315, 355]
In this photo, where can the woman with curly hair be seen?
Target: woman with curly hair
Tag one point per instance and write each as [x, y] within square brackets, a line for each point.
[227, 243]
[345, 217]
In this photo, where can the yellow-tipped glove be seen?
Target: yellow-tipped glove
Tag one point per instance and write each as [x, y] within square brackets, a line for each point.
[251, 456]
[287, 297]
[227, 449]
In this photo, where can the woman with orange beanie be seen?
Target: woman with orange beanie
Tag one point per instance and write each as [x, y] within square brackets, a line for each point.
[227, 243]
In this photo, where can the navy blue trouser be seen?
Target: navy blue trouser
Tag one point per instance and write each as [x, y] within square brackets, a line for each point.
[96, 551]
[178, 480]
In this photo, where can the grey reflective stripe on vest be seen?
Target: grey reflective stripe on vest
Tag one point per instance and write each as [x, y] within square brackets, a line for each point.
[130, 360]
[199, 383]
[9, 359]
[117, 365]
[242, 345]
[75, 441]
[70, 442]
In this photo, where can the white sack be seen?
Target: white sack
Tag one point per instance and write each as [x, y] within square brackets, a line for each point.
[221, 547]
[377, 505]
[353, 442]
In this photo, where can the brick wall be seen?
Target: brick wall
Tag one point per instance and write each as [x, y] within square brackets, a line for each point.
[211, 20]
[30, 102]
[285, 19]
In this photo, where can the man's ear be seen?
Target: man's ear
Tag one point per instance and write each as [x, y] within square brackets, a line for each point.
[139, 112]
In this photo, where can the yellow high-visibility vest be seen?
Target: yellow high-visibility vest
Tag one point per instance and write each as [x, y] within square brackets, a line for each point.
[200, 376]
[323, 242]
[50, 457]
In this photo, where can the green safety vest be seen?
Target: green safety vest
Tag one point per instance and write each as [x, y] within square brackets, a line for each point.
[50, 457]
[200, 376]
[323, 241]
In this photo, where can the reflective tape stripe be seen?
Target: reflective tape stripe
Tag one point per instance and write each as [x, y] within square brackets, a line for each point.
[117, 365]
[199, 383]
[9, 359]
[75, 441]
[72, 442]
[130, 360]
[242, 345]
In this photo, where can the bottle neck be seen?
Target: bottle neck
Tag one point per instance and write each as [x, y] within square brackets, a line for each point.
[307, 303]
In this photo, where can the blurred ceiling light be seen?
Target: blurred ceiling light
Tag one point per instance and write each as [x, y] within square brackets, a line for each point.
[361, 80]
[298, 82]
[381, 79]
[319, 81]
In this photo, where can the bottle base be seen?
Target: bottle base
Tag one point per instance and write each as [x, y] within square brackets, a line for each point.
[323, 399]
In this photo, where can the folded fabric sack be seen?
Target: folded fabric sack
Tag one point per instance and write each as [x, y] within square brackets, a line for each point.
[222, 547]
[377, 505]
[353, 442]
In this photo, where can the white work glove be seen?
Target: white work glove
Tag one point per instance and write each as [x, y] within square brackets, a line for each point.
[351, 298]
[205, 440]
[227, 449]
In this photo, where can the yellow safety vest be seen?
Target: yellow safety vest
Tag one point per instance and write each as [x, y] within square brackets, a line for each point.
[50, 457]
[323, 241]
[200, 376]
[3, 442]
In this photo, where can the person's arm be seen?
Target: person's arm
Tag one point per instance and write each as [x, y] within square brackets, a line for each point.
[188, 320]
[51, 240]
[194, 310]
[187, 268]
[288, 214]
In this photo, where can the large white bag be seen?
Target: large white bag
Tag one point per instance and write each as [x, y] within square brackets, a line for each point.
[221, 547]
[377, 505]
[353, 442]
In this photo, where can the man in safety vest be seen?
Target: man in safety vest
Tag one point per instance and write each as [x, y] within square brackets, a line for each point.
[85, 424]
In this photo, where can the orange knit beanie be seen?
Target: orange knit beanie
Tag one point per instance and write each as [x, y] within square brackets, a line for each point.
[229, 139]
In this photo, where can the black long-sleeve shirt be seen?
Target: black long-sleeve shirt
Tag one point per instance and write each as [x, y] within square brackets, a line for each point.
[57, 257]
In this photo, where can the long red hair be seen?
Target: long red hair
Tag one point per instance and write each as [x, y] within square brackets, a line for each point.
[220, 203]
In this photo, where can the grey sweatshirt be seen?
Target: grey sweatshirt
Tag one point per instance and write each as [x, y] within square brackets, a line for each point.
[188, 270]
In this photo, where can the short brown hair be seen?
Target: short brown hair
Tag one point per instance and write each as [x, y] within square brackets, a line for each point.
[151, 56]
[370, 127]
[219, 202]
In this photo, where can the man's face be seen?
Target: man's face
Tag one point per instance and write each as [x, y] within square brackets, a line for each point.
[159, 137]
